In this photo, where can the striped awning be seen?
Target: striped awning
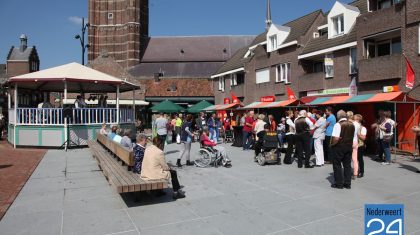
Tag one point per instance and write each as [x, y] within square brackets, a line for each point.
[267, 105]
[367, 98]
[219, 107]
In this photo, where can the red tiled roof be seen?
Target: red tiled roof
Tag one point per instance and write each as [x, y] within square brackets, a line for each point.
[170, 87]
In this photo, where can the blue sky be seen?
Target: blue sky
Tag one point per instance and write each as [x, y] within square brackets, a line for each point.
[52, 24]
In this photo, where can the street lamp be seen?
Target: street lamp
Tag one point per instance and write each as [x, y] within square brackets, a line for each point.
[82, 39]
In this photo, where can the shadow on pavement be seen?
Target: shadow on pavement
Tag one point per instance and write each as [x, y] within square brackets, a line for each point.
[136, 199]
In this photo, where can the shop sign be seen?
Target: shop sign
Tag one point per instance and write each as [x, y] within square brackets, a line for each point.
[329, 91]
[226, 101]
[390, 89]
[268, 99]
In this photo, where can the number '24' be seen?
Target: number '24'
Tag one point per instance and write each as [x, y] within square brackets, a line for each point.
[388, 228]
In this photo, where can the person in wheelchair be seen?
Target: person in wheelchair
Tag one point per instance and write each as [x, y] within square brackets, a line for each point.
[267, 141]
[206, 142]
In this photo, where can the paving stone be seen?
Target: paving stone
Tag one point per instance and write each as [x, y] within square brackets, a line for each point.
[186, 228]
[105, 222]
[336, 225]
[40, 202]
[150, 216]
[98, 205]
[252, 222]
[36, 223]
[89, 193]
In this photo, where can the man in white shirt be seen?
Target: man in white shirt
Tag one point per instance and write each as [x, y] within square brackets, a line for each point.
[319, 136]
[341, 150]
[161, 124]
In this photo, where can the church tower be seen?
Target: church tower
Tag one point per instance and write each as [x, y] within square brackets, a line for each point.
[118, 28]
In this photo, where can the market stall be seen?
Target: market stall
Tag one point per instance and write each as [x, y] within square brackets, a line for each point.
[405, 110]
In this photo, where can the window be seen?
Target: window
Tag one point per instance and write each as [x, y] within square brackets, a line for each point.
[338, 25]
[329, 66]
[233, 80]
[318, 67]
[396, 46]
[382, 4]
[222, 84]
[273, 42]
[283, 73]
[262, 75]
[371, 50]
[110, 16]
[418, 38]
[240, 78]
[353, 60]
[383, 48]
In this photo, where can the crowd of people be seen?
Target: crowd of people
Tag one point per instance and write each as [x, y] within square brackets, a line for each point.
[338, 139]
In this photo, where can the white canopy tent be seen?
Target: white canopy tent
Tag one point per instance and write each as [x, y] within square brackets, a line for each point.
[70, 78]
[76, 77]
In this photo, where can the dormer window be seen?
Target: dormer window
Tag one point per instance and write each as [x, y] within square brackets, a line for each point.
[338, 25]
[273, 42]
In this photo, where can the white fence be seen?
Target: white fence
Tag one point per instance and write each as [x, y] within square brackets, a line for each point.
[55, 116]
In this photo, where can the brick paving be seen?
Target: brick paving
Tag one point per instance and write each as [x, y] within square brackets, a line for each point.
[16, 166]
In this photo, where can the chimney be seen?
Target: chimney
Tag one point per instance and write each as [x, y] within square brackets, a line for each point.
[23, 43]
[268, 16]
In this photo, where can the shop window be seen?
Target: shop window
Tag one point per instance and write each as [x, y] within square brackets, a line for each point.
[262, 75]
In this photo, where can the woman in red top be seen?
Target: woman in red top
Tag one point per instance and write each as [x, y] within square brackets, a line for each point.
[226, 125]
[204, 139]
[272, 122]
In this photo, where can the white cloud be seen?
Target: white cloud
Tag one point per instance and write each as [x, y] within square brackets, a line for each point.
[75, 20]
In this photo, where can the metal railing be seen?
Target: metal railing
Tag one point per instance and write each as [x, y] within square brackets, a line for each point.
[83, 116]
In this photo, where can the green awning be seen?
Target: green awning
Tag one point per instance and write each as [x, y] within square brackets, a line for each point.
[167, 106]
[199, 107]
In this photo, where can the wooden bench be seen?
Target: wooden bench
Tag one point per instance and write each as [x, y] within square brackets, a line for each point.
[117, 150]
[119, 176]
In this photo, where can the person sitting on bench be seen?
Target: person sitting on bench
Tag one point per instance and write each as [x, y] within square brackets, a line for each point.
[138, 151]
[154, 167]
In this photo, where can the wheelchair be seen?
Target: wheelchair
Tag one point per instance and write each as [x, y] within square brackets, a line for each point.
[209, 156]
[270, 152]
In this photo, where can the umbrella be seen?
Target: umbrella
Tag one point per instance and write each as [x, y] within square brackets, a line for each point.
[167, 106]
[199, 107]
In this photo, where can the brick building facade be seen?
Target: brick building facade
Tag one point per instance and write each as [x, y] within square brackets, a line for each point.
[183, 64]
[119, 28]
[363, 40]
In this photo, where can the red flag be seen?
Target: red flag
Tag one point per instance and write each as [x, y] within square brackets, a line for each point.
[235, 99]
[290, 94]
[409, 74]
